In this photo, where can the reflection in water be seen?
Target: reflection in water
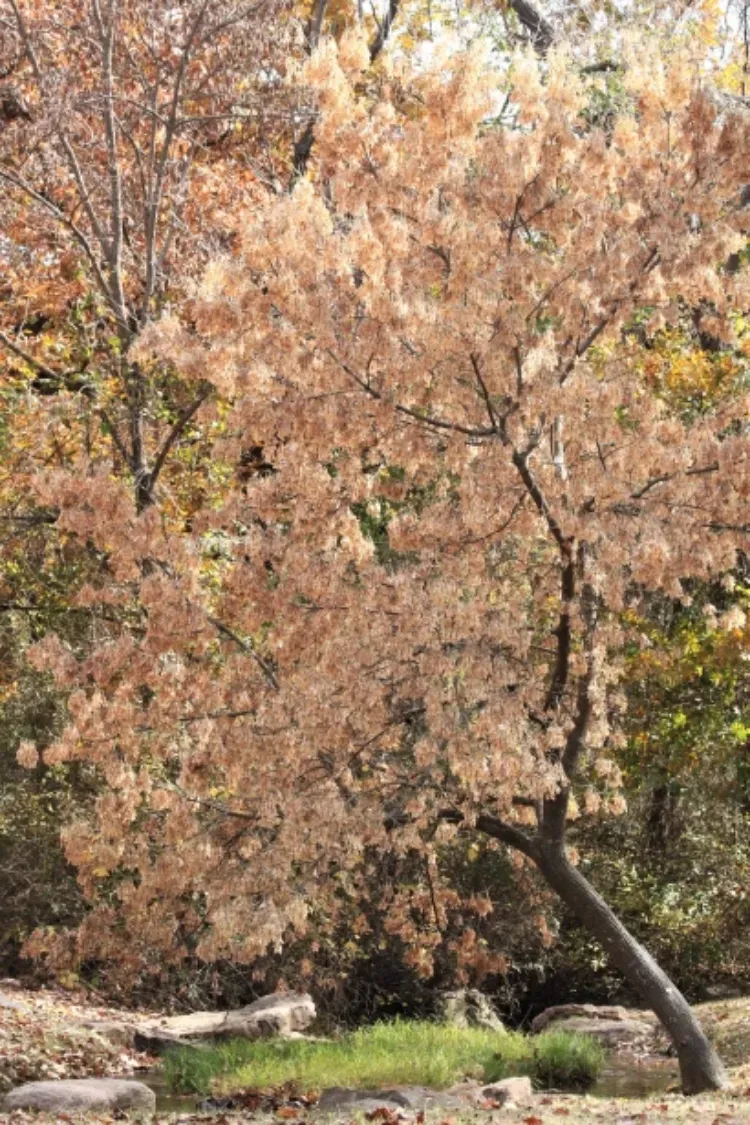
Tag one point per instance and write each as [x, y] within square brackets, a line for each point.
[628, 1078]
[167, 1101]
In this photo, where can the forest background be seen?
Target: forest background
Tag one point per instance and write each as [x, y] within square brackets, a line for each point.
[675, 864]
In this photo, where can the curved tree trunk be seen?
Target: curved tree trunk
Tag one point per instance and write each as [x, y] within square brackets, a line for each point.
[700, 1067]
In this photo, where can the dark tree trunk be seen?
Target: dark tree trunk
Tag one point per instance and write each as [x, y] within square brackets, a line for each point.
[700, 1066]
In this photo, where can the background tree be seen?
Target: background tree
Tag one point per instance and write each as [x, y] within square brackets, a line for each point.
[142, 126]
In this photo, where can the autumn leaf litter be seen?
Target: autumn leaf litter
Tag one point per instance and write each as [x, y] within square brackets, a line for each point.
[42, 1036]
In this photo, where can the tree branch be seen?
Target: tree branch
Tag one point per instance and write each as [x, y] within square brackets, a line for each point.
[493, 826]
[175, 433]
[425, 419]
[384, 29]
[28, 358]
[60, 216]
[540, 31]
[249, 648]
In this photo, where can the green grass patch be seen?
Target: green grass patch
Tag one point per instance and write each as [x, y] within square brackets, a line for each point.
[396, 1053]
[564, 1060]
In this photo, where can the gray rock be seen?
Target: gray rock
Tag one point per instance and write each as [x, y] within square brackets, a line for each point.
[615, 1035]
[589, 1011]
[411, 1098]
[360, 1101]
[156, 1040]
[468, 1007]
[83, 1094]
[280, 1014]
[616, 1028]
[509, 1090]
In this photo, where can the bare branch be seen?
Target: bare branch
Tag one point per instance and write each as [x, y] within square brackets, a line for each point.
[42, 368]
[411, 412]
[315, 23]
[59, 215]
[249, 648]
[493, 826]
[384, 29]
[176, 432]
[540, 31]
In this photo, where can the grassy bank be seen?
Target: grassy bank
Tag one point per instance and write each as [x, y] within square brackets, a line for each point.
[398, 1053]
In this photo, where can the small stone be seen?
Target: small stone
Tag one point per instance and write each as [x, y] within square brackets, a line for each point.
[509, 1090]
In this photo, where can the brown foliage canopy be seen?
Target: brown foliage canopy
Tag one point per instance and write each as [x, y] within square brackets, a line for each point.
[425, 338]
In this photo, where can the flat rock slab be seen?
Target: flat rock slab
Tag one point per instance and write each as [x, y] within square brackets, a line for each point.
[83, 1094]
[283, 1013]
[613, 1034]
[609, 1012]
[280, 1014]
[459, 1098]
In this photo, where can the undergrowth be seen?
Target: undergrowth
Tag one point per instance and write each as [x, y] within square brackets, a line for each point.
[396, 1053]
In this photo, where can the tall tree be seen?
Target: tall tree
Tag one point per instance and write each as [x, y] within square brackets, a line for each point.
[419, 342]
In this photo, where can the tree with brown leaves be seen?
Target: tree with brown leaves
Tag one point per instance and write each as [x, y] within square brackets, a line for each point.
[411, 625]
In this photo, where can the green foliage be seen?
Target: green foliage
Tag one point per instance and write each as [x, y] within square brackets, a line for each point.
[566, 1061]
[37, 886]
[398, 1052]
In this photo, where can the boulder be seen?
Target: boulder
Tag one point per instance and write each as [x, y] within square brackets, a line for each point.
[468, 1007]
[589, 1011]
[508, 1090]
[84, 1095]
[615, 1035]
[280, 1014]
[616, 1028]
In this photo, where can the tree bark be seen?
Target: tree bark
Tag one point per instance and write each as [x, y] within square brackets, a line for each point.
[700, 1067]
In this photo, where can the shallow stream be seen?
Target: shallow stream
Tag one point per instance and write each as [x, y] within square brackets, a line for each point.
[635, 1078]
[620, 1078]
